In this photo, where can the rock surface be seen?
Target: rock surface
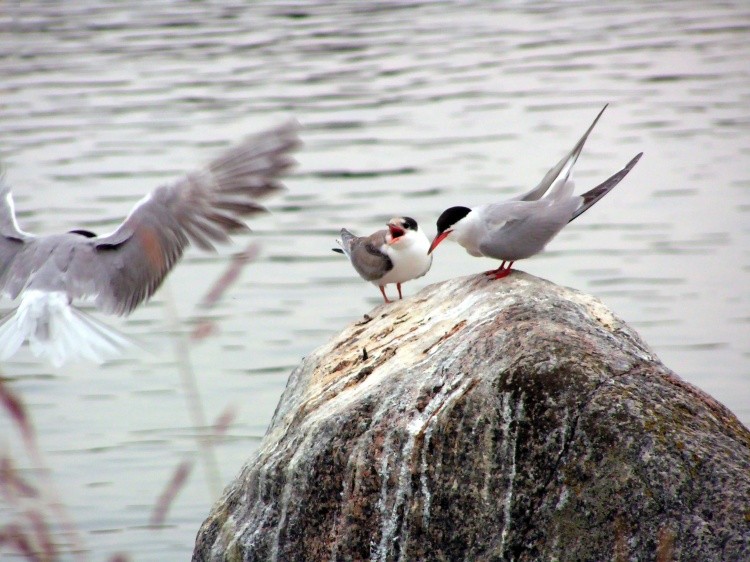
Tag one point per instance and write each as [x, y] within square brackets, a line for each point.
[489, 420]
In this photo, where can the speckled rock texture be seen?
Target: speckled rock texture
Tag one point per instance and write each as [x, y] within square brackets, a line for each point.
[482, 420]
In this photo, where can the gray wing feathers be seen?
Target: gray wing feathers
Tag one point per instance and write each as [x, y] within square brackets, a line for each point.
[41, 263]
[519, 229]
[562, 168]
[365, 255]
[593, 195]
[497, 214]
[203, 207]
[253, 164]
[528, 230]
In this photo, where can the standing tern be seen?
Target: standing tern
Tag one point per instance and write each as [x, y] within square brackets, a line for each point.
[522, 226]
[120, 270]
[395, 255]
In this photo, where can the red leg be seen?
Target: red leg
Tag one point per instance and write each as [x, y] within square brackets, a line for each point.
[398, 286]
[500, 273]
[382, 292]
[495, 271]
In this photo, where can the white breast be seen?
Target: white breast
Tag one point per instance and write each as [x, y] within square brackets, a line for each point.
[409, 257]
[470, 231]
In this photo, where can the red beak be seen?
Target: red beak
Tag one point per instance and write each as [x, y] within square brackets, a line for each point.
[396, 232]
[439, 238]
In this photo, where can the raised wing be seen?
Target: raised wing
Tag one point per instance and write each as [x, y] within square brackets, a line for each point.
[126, 267]
[562, 168]
[12, 238]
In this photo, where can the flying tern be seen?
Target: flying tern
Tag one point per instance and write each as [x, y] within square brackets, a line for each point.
[120, 270]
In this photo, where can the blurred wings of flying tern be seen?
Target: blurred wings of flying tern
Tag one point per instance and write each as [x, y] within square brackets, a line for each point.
[120, 270]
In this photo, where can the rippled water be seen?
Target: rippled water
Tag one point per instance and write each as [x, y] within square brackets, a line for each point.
[407, 108]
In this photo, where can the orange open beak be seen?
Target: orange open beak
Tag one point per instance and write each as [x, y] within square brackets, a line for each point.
[439, 238]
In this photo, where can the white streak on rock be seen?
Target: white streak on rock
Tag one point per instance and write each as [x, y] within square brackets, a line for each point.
[284, 506]
[450, 392]
[508, 451]
[424, 485]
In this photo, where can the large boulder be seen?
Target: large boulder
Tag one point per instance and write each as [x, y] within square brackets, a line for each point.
[489, 420]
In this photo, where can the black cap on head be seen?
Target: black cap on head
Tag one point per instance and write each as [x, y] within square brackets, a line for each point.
[450, 217]
[409, 223]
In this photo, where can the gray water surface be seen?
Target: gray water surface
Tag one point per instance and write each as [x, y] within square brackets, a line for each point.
[407, 108]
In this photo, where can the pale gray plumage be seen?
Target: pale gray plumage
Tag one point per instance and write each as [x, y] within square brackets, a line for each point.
[120, 270]
[523, 230]
[522, 226]
[365, 255]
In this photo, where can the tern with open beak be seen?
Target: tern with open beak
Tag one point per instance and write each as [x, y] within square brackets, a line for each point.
[395, 255]
[120, 270]
[522, 226]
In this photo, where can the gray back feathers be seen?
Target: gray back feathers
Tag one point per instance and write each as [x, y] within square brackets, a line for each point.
[365, 255]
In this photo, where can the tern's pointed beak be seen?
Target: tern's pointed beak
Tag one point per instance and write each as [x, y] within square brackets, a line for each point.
[439, 238]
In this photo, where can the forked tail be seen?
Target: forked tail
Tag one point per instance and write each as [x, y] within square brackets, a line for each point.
[593, 195]
[58, 332]
[345, 243]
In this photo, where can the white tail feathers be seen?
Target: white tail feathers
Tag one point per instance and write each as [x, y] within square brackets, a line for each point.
[58, 332]
[562, 188]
